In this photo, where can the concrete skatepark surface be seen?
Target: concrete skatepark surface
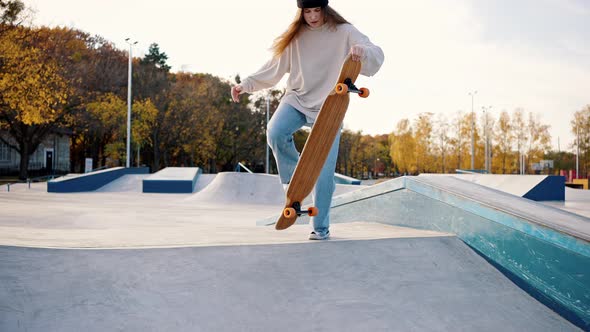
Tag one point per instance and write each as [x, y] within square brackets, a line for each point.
[117, 259]
[576, 201]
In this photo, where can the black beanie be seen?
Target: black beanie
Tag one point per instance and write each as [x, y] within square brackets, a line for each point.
[312, 3]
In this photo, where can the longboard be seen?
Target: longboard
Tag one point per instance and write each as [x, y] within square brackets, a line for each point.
[318, 144]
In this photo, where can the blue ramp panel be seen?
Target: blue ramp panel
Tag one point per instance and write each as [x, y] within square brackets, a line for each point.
[91, 181]
[546, 251]
[552, 188]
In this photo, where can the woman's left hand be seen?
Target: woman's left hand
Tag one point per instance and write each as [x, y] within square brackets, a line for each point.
[357, 52]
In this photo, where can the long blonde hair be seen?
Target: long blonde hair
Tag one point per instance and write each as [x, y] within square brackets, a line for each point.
[331, 17]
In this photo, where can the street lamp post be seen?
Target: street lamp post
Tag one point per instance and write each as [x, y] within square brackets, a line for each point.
[127, 164]
[577, 151]
[472, 94]
[487, 162]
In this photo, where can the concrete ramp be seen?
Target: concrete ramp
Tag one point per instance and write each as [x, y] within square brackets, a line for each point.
[543, 249]
[130, 183]
[415, 284]
[250, 188]
[416, 253]
[244, 188]
[534, 187]
[576, 201]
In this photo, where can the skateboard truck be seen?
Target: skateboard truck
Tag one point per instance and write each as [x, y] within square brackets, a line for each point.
[295, 210]
[348, 86]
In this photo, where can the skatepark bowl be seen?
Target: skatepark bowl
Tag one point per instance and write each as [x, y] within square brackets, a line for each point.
[97, 252]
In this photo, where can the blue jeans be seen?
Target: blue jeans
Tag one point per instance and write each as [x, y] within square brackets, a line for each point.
[284, 123]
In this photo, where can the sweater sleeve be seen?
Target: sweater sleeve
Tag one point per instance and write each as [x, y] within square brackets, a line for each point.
[270, 73]
[373, 58]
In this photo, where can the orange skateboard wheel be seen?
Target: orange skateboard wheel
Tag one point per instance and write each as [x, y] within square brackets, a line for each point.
[313, 211]
[289, 213]
[364, 93]
[341, 88]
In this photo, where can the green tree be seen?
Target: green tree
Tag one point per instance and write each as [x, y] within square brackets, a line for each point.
[152, 80]
[348, 140]
[11, 14]
[156, 57]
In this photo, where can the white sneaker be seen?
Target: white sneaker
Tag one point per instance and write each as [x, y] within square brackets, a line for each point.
[316, 236]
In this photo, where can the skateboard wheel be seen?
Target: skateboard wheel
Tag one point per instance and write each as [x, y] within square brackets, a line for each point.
[289, 213]
[364, 93]
[341, 88]
[313, 211]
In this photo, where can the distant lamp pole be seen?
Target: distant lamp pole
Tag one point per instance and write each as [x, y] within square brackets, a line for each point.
[472, 94]
[577, 151]
[267, 120]
[487, 162]
[129, 102]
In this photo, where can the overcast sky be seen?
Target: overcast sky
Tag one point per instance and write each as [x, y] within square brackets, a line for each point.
[533, 54]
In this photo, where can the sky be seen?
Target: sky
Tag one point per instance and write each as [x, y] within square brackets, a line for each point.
[530, 54]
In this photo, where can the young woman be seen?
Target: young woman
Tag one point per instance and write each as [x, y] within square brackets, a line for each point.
[312, 51]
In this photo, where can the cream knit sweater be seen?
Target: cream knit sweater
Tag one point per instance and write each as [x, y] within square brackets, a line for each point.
[313, 61]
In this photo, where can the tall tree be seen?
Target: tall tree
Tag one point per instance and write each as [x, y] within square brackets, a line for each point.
[191, 123]
[258, 142]
[33, 93]
[102, 71]
[520, 131]
[11, 14]
[403, 148]
[539, 141]
[580, 127]
[423, 142]
[456, 141]
[110, 111]
[442, 141]
[348, 140]
[382, 157]
[503, 149]
[152, 80]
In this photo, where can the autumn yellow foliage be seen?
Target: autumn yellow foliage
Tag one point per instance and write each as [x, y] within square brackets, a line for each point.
[31, 87]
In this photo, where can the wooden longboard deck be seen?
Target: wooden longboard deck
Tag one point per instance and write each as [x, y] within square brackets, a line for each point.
[318, 145]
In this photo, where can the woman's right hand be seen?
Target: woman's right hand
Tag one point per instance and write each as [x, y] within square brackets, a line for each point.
[235, 93]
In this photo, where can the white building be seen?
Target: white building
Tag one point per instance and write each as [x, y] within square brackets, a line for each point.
[52, 155]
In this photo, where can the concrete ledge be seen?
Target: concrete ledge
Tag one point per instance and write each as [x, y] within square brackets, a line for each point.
[91, 181]
[544, 250]
[172, 180]
[533, 187]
